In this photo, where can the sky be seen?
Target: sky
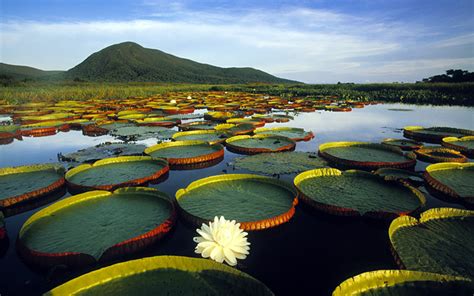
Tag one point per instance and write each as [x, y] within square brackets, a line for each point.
[319, 41]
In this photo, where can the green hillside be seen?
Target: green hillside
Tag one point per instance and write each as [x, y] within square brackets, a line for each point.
[24, 72]
[129, 61]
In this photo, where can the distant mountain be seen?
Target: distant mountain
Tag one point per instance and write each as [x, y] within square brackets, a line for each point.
[24, 72]
[129, 61]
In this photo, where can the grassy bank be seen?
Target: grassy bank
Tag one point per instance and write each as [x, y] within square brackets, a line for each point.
[418, 93]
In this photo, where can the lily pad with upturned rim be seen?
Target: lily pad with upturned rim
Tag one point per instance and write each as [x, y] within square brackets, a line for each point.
[357, 193]
[22, 183]
[398, 174]
[464, 144]
[235, 129]
[96, 225]
[296, 134]
[434, 134]
[164, 275]
[439, 154]
[256, 202]
[280, 163]
[115, 172]
[259, 144]
[403, 144]
[198, 125]
[186, 152]
[366, 156]
[137, 133]
[451, 180]
[441, 241]
[404, 282]
[210, 136]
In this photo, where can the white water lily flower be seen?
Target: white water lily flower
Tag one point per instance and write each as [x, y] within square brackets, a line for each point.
[173, 101]
[222, 240]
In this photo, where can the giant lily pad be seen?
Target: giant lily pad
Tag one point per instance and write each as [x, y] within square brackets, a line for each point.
[441, 241]
[197, 125]
[434, 134]
[439, 154]
[256, 202]
[210, 136]
[103, 151]
[368, 156]
[186, 152]
[259, 144]
[96, 225]
[398, 174]
[404, 282]
[296, 134]
[137, 133]
[464, 144]
[111, 173]
[451, 180]
[357, 193]
[27, 182]
[164, 275]
[279, 163]
[235, 129]
[403, 143]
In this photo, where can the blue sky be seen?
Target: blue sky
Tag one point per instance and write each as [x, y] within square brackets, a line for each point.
[311, 41]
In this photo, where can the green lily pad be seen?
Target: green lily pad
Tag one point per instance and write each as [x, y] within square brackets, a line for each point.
[463, 144]
[404, 282]
[279, 163]
[96, 222]
[26, 182]
[186, 152]
[235, 129]
[434, 134]
[210, 136]
[362, 155]
[296, 134]
[259, 144]
[398, 174]
[111, 173]
[403, 144]
[138, 133]
[104, 150]
[164, 275]
[441, 241]
[255, 201]
[355, 193]
[439, 154]
[454, 180]
[198, 125]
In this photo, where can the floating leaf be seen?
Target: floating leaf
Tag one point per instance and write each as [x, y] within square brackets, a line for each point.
[104, 150]
[280, 163]
[259, 144]
[256, 202]
[296, 134]
[464, 144]
[96, 225]
[354, 193]
[441, 241]
[434, 134]
[164, 275]
[404, 282]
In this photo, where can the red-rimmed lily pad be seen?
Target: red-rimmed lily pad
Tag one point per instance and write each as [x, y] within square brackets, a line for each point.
[464, 144]
[439, 154]
[403, 144]
[256, 202]
[115, 172]
[366, 156]
[96, 225]
[434, 134]
[23, 183]
[164, 275]
[357, 193]
[259, 144]
[296, 134]
[210, 136]
[181, 153]
[454, 181]
[103, 150]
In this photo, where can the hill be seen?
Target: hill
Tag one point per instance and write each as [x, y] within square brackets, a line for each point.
[129, 61]
[24, 72]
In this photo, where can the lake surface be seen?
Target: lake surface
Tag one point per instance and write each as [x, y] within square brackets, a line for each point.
[313, 252]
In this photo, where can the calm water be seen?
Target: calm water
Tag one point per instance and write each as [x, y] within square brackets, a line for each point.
[313, 252]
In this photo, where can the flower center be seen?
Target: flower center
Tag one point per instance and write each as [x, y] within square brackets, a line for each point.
[224, 236]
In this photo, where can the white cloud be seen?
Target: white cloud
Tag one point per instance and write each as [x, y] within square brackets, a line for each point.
[286, 42]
